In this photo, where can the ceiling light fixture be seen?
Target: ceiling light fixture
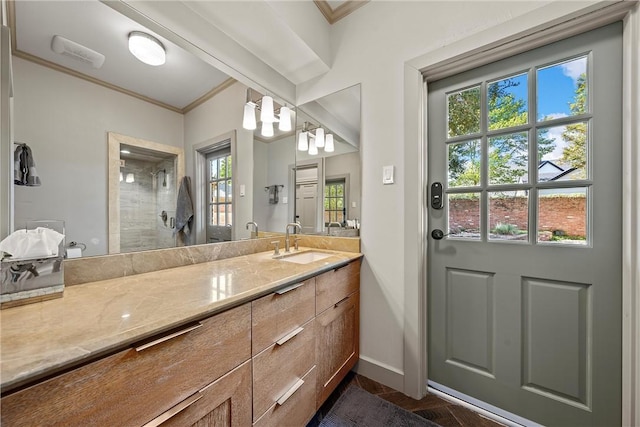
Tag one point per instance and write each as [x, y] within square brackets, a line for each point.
[270, 112]
[146, 48]
[303, 141]
[328, 143]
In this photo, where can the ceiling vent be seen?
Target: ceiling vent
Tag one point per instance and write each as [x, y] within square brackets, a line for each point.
[76, 51]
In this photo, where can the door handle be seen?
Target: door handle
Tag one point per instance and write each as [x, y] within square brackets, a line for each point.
[438, 234]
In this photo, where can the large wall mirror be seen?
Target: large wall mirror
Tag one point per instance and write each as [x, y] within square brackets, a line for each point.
[184, 117]
[328, 170]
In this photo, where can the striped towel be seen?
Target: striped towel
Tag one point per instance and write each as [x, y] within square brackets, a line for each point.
[24, 169]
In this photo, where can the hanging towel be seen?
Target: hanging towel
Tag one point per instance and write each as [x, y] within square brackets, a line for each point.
[273, 194]
[184, 210]
[24, 167]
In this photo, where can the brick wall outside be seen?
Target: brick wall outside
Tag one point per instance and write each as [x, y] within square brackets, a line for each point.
[566, 213]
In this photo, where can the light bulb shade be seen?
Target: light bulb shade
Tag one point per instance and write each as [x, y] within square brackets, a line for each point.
[303, 141]
[146, 48]
[266, 111]
[285, 119]
[249, 118]
[319, 137]
[328, 143]
[313, 149]
[267, 129]
[129, 179]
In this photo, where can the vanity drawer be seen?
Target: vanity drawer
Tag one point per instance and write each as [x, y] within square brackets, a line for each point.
[275, 315]
[136, 385]
[335, 285]
[297, 405]
[280, 366]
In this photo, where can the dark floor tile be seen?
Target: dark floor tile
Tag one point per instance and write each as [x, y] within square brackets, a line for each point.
[430, 401]
[468, 418]
[441, 416]
[372, 386]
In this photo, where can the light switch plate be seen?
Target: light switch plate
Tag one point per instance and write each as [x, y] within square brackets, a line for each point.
[285, 200]
[387, 175]
[242, 190]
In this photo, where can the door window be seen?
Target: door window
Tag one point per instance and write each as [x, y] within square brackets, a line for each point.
[518, 156]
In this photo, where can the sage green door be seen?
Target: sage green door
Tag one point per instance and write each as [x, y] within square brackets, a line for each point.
[524, 287]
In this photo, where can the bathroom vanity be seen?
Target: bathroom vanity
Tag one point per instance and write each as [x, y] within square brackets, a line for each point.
[241, 341]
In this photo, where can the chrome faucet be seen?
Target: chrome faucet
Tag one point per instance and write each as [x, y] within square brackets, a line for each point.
[295, 226]
[255, 225]
[332, 224]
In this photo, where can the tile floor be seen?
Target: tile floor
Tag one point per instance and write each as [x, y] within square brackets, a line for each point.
[431, 407]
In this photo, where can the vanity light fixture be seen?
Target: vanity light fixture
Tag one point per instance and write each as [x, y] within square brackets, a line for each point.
[267, 129]
[146, 48]
[270, 112]
[313, 149]
[249, 118]
[303, 141]
[320, 137]
[285, 119]
[328, 143]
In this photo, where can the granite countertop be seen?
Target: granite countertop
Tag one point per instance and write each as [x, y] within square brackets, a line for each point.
[98, 318]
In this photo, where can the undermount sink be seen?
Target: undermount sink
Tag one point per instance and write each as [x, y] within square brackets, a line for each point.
[305, 257]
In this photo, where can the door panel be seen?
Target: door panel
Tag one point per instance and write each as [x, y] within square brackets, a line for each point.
[525, 285]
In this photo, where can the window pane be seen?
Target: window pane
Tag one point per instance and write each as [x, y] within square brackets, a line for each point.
[562, 89]
[222, 167]
[508, 158]
[463, 112]
[508, 215]
[507, 102]
[562, 215]
[228, 170]
[213, 167]
[332, 191]
[221, 217]
[464, 164]
[214, 191]
[229, 212]
[222, 191]
[339, 203]
[213, 219]
[562, 152]
[340, 190]
[229, 191]
[332, 204]
[464, 215]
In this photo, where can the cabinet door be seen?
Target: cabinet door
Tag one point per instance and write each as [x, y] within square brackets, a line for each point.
[337, 344]
[336, 284]
[225, 402]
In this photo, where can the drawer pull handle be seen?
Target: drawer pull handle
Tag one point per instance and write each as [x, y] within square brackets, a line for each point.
[289, 288]
[290, 335]
[174, 411]
[340, 302]
[168, 337]
[290, 392]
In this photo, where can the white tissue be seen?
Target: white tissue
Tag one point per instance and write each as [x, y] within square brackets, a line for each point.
[38, 243]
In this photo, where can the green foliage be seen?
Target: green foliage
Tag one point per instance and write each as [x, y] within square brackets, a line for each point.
[506, 229]
[575, 135]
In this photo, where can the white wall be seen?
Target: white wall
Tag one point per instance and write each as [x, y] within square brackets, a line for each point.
[65, 121]
[218, 116]
[371, 46]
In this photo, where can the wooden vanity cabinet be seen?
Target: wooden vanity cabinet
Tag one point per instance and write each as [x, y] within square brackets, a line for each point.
[136, 385]
[224, 403]
[284, 344]
[337, 327]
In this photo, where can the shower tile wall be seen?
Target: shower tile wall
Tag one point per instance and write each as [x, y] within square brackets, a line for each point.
[141, 205]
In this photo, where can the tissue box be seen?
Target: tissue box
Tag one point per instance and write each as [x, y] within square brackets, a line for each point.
[30, 280]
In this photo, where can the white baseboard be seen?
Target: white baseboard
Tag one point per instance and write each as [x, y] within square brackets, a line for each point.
[380, 372]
